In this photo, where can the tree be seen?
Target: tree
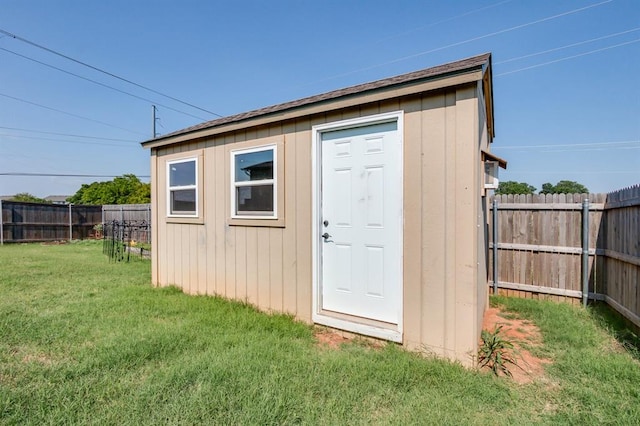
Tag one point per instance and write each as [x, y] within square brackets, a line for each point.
[564, 187]
[125, 189]
[513, 187]
[26, 197]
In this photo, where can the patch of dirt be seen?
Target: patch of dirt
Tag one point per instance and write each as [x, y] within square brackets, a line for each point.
[520, 333]
[332, 339]
[39, 358]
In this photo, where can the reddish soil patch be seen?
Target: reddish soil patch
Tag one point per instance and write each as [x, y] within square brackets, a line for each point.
[330, 338]
[521, 333]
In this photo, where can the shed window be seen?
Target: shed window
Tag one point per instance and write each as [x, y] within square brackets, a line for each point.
[183, 189]
[254, 186]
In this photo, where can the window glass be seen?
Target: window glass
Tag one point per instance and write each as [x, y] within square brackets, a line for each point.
[183, 173]
[183, 201]
[254, 199]
[254, 166]
[253, 188]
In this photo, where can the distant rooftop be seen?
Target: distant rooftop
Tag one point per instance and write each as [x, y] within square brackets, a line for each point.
[57, 199]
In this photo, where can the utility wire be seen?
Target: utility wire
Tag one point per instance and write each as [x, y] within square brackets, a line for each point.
[65, 175]
[566, 46]
[67, 134]
[68, 113]
[568, 57]
[99, 83]
[459, 43]
[442, 21]
[67, 141]
[608, 143]
[599, 172]
[62, 55]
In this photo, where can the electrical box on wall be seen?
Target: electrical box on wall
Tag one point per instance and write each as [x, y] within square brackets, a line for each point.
[491, 180]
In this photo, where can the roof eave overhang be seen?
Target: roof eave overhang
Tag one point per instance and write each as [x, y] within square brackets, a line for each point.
[487, 86]
[472, 75]
[487, 156]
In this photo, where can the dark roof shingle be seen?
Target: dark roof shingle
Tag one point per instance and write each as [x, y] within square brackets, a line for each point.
[427, 73]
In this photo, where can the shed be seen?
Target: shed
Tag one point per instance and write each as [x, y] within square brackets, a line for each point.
[363, 209]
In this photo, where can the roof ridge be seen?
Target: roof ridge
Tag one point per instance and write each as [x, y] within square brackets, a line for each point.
[435, 71]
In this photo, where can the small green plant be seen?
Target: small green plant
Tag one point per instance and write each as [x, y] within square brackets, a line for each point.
[495, 352]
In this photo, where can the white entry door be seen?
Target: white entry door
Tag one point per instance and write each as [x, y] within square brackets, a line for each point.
[361, 221]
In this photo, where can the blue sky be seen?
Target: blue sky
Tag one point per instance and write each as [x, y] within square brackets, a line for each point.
[566, 76]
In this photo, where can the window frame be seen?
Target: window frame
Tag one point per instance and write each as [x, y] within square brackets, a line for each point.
[234, 185]
[196, 187]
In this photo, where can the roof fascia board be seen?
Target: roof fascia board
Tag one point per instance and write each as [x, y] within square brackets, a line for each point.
[375, 95]
[486, 155]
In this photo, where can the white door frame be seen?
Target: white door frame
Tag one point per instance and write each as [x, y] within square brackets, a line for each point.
[318, 316]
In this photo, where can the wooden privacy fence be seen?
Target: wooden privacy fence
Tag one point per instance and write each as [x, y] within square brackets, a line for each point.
[132, 220]
[572, 246]
[31, 222]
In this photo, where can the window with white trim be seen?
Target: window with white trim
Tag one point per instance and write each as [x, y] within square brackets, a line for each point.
[182, 187]
[254, 183]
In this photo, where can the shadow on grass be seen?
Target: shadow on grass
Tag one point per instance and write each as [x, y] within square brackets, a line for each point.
[618, 326]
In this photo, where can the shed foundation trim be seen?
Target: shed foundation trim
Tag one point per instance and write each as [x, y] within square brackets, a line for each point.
[354, 327]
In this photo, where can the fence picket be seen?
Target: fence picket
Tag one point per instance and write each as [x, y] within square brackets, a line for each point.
[555, 220]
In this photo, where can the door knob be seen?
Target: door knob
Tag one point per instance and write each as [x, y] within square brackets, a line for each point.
[326, 236]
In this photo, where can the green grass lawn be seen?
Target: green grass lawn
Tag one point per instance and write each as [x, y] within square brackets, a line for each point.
[86, 341]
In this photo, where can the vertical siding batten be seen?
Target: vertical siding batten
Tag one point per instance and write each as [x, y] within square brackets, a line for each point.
[451, 193]
[211, 175]
[433, 186]
[221, 210]
[413, 194]
[466, 207]
[289, 252]
[304, 222]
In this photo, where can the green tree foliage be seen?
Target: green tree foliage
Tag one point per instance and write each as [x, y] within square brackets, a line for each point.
[125, 189]
[513, 187]
[26, 197]
[564, 187]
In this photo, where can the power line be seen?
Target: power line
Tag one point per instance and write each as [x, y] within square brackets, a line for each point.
[99, 83]
[608, 143]
[442, 21]
[598, 172]
[62, 55]
[68, 113]
[566, 46]
[67, 141]
[459, 43]
[568, 57]
[67, 134]
[65, 175]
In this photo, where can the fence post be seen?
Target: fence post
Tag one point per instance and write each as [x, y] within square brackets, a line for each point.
[70, 223]
[585, 252]
[1, 225]
[121, 214]
[495, 246]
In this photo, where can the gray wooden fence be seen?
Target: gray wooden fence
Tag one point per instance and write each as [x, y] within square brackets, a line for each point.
[542, 252]
[32, 222]
[126, 212]
[133, 219]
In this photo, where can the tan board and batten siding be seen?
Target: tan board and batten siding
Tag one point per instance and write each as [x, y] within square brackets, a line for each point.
[447, 123]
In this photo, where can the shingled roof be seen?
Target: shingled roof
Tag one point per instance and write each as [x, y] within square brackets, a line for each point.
[440, 71]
